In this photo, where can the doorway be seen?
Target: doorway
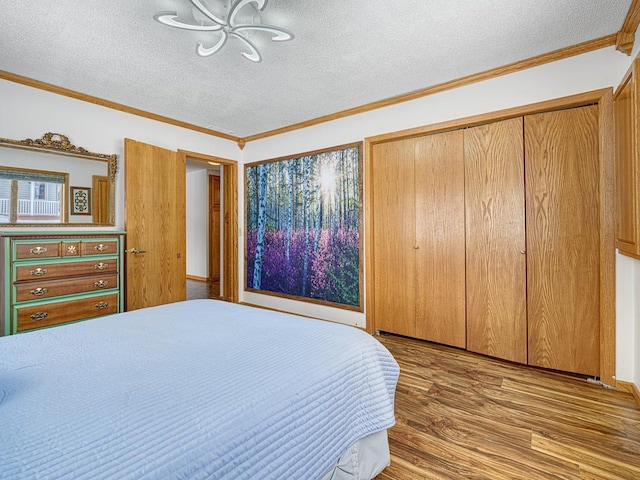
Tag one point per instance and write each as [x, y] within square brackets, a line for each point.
[212, 235]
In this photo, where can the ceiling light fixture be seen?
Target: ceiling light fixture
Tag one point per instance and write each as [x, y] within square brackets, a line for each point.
[226, 26]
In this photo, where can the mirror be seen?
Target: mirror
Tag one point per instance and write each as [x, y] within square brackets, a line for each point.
[51, 182]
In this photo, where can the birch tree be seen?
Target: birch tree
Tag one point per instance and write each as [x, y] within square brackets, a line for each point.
[262, 220]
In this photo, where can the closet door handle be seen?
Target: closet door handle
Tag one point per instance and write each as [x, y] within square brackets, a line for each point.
[523, 252]
[416, 247]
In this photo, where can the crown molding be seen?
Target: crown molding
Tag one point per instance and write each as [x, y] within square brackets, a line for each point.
[626, 36]
[567, 52]
[556, 55]
[12, 77]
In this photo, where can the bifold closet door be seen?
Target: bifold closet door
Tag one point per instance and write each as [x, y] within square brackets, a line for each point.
[393, 216]
[439, 242]
[563, 235]
[495, 240]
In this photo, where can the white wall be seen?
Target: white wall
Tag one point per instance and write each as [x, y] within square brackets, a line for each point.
[198, 223]
[30, 113]
[590, 71]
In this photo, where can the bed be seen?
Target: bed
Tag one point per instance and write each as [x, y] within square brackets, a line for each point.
[194, 390]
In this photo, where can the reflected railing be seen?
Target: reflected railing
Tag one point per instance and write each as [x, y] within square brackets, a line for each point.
[45, 208]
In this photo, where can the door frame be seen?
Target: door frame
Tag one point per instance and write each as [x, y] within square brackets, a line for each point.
[230, 220]
[214, 185]
[604, 99]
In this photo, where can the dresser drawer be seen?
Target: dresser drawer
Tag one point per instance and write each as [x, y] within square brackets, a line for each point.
[49, 314]
[70, 249]
[62, 270]
[99, 248]
[56, 288]
[37, 250]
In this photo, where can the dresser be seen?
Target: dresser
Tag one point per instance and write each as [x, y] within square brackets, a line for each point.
[48, 279]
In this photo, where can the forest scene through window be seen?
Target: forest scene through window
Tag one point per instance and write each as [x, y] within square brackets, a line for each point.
[303, 226]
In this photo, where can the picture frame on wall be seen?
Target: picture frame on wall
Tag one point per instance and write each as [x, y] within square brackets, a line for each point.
[80, 201]
[303, 223]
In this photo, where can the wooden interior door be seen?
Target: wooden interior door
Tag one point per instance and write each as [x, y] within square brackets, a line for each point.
[100, 196]
[393, 214]
[563, 235]
[495, 240]
[155, 221]
[214, 228]
[440, 256]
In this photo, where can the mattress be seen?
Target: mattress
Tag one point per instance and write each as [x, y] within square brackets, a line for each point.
[191, 390]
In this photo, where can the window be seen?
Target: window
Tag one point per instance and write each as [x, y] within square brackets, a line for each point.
[31, 196]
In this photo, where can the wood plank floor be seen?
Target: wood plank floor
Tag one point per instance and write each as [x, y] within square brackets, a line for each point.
[464, 416]
[197, 289]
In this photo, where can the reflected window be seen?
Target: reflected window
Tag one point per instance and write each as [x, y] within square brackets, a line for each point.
[28, 196]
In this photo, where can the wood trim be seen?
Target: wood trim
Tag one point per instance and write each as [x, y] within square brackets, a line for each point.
[208, 158]
[629, 388]
[369, 270]
[607, 241]
[354, 308]
[247, 304]
[315, 301]
[30, 82]
[538, 60]
[305, 154]
[625, 38]
[196, 278]
[230, 232]
[604, 98]
[230, 224]
[545, 106]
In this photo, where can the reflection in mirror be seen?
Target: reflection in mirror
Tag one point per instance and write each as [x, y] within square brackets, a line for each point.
[28, 196]
[50, 181]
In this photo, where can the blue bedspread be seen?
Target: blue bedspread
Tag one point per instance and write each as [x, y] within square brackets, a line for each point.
[197, 389]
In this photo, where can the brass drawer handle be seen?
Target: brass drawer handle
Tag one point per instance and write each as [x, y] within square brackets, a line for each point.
[38, 272]
[39, 316]
[38, 250]
[102, 266]
[101, 305]
[101, 283]
[101, 248]
[38, 292]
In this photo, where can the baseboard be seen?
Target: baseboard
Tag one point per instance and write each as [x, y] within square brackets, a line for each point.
[196, 278]
[298, 314]
[629, 388]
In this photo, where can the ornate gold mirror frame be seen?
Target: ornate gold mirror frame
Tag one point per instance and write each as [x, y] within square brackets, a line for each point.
[58, 144]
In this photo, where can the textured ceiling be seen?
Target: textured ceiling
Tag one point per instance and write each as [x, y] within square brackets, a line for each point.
[346, 53]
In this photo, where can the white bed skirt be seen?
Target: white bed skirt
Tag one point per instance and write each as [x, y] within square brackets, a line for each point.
[363, 460]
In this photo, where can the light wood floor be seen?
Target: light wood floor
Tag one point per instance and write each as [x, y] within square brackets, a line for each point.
[465, 416]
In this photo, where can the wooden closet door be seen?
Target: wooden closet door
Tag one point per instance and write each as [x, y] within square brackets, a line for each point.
[563, 208]
[440, 252]
[495, 233]
[393, 216]
[626, 175]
